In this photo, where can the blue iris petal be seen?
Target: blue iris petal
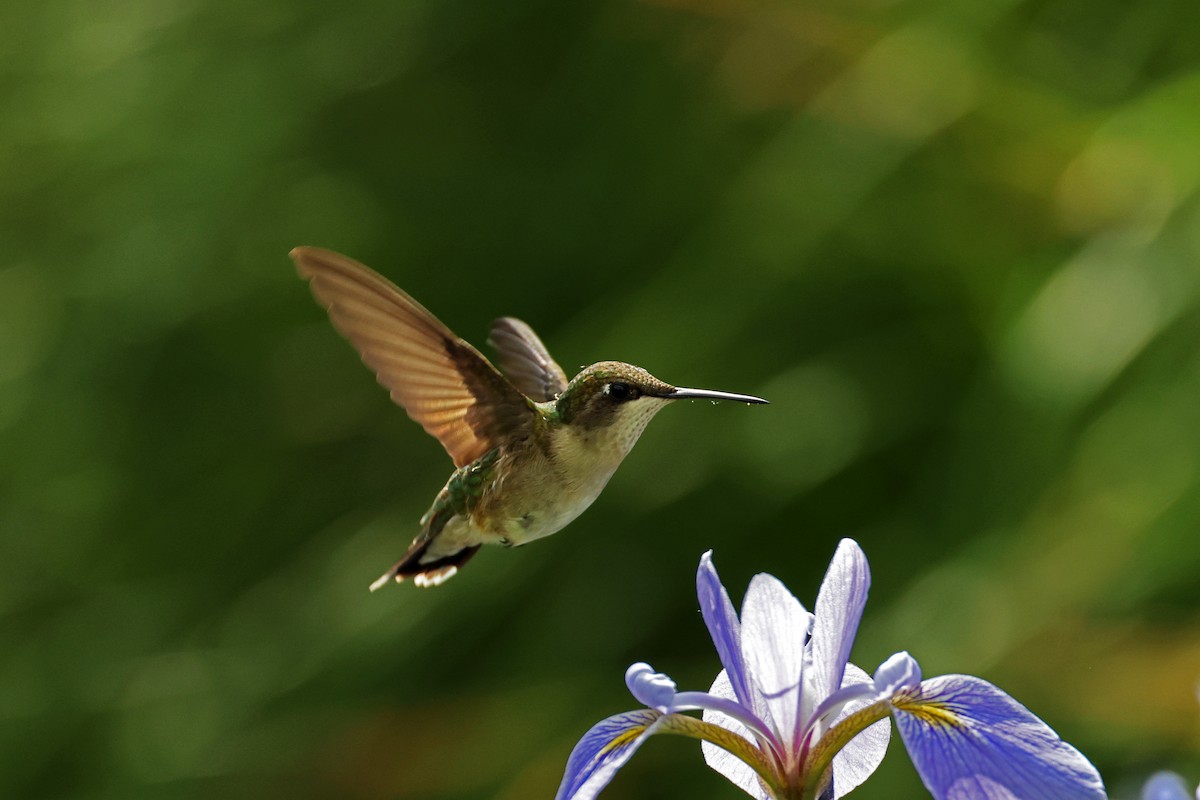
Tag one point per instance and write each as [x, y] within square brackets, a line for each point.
[1165, 786]
[723, 626]
[774, 632]
[968, 739]
[839, 609]
[603, 750]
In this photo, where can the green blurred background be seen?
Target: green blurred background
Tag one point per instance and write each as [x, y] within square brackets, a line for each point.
[955, 243]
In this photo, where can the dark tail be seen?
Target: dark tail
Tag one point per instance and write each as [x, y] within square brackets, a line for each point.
[425, 573]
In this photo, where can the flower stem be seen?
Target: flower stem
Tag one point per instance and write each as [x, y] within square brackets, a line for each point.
[816, 771]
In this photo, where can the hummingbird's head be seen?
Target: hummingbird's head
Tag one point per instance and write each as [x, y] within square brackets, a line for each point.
[610, 392]
[619, 399]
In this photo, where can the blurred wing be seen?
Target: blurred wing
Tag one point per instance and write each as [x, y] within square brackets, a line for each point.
[525, 360]
[440, 380]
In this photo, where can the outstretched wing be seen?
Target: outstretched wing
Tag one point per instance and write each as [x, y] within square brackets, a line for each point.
[525, 360]
[440, 380]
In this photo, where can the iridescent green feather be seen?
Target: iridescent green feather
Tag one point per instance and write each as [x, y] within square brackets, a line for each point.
[461, 493]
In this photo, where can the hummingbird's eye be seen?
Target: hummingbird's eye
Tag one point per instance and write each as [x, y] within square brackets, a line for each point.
[621, 392]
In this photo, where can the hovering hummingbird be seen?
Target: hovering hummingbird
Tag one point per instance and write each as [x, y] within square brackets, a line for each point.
[532, 450]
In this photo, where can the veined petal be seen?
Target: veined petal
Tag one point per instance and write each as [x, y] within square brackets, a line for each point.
[603, 750]
[723, 626]
[1166, 786]
[737, 771]
[968, 739]
[839, 609]
[855, 762]
[775, 628]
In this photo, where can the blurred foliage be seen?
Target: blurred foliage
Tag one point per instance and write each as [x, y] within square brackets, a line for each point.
[955, 243]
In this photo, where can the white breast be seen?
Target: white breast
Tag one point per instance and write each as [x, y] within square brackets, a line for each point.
[582, 462]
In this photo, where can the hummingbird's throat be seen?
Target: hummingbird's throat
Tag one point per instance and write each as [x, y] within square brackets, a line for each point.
[607, 444]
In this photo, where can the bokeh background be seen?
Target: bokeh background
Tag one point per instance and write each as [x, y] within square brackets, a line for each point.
[956, 244]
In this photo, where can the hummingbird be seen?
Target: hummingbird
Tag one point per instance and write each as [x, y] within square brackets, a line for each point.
[532, 450]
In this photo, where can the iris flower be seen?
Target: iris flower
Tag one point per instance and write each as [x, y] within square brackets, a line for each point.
[1167, 786]
[790, 718]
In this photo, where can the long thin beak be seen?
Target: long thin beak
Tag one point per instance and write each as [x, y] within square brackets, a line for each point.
[709, 394]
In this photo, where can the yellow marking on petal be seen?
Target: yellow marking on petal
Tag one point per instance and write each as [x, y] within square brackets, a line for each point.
[623, 738]
[931, 711]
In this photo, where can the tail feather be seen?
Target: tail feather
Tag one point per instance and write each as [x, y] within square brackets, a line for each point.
[427, 573]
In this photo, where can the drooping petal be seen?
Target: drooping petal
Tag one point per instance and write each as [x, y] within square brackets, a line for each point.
[1166, 786]
[855, 762]
[839, 609]
[968, 739]
[723, 626]
[603, 750]
[737, 771]
[775, 628]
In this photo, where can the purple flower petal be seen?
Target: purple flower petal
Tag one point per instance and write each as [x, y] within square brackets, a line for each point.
[839, 609]
[737, 771]
[968, 739]
[774, 629]
[723, 626]
[1166, 786]
[603, 750]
